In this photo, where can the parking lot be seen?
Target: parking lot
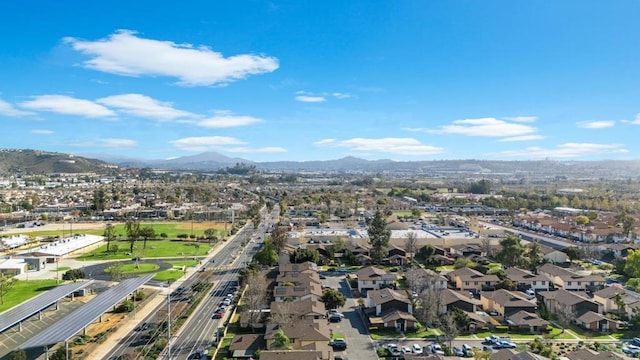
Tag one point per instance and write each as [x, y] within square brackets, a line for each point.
[352, 327]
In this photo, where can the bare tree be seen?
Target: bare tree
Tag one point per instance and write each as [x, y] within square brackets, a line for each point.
[449, 327]
[485, 247]
[429, 306]
[279, 238]
[283, 313]
[411, 244]
[255, 297]
[564, 316]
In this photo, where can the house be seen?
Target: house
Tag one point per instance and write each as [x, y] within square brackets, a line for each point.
[596, 322]
[303, 334]
[245, 346]
[309, 308]
[568, 302]
[291, 355]
[466, 250]
[384, 300]
[298, 278]
[456, 299]
[372, 278]
[306, 266]
[297, 292]
[420, 279]
[397, 260]
[588, 354]
[513, 354]
[472, 280]
[394, 250]
[620, 250]
[506, 303]
[13, 267]
[395, 319]
[528, 321]
[607, 297]
[553, 255]
[571, 280]
[528, 280]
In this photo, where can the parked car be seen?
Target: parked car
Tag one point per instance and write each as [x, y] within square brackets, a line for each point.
[339, 344]
[199, 354]
[457, 351]
[405, 350]
[417, 349]
[437, 349]
[335, 312]
[492, 339]
[631, 350]
[393, 350]
[501, 344]
[636, 341]
[335, 318]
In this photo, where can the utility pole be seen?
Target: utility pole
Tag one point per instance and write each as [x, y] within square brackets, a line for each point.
[169, 321]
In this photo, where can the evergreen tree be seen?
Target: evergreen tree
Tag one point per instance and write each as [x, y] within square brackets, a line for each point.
[379, 237]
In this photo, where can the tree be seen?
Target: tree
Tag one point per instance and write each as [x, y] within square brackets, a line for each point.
[632, 264]
[564, 316]
[411, 244]
[416, 213]
[573, 252]
[449, 326]
[147, 232]
[379, 237]
[281, 341]
[133, 232]
[279, 238]
[125, 307]
[461, 318]
[61, 354]
[116, 271]
[512, 251]
[99, 200]
[267, 255]
[332, 299]
[109, 234]
[464, 262]
[426, 253]
[621, 305]
[6, 284]
[19, 354]
[337, 245]
[210, 234]
[255, 297]
[429, 306]
[535, 257]
[582, 220]
[303, 255]
[73, 274]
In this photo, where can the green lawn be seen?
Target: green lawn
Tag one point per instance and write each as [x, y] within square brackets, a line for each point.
[484, 334]
[337, 335]
[168, 275]
[155, 249]
[378, 334]
[25, 290]
[557, 333]
[132, 268]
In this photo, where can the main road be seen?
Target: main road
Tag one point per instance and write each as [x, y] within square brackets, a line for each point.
[221, 269]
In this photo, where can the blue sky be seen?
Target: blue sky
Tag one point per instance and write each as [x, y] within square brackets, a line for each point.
[316, 80]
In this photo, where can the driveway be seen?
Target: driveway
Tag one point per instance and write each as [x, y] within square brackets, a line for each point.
[352, 327]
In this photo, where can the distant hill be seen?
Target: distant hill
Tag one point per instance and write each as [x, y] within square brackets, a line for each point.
[211, 161]
[20, 161]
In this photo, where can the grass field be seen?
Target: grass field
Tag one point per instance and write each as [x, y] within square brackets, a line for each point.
[61, 268]
[155, 249]
[24, 290]
[181, 263]
[172, 229]
[132, 268]
[170, 275]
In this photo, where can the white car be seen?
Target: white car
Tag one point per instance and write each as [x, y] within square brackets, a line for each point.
[417, 349]
[437, 349]
[406, 350]
[631, 349]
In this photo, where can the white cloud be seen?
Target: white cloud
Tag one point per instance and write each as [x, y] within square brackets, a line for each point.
[340, 95]
[42, 131]
[568, 150]
[526, 119]
[225, 121]
[108, 143]
[8, 110]
[597, 124]
[489, 127]
[205, 143]
[124, 53]
[324, 141]
[144, 106]
[398, 146]
[67, 105]
[522, 138]
[310, 99]
[265, 150]
[632, 122]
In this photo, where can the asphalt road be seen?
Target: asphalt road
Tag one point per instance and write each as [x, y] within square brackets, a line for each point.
[352, 327]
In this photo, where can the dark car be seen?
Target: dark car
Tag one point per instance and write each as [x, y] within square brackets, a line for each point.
[199, 354]
[334, 318]
[339, 344]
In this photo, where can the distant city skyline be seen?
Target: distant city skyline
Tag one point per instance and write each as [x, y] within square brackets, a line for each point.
[320, 80]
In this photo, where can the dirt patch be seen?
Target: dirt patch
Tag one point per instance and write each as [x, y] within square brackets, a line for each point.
[201, 225]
